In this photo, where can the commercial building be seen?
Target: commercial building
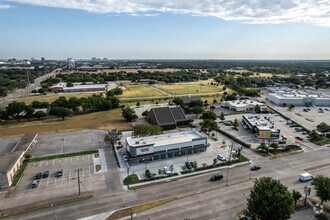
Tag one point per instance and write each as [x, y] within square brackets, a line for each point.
[78, 87]
[258, 125]
[165, 146]
[298, 98]
[71, 63]
[166, 116]
[243, 105]
[11, 161]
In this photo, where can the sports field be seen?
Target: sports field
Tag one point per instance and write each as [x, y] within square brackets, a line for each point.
[190, 88]
[136, 91]
[98, 120]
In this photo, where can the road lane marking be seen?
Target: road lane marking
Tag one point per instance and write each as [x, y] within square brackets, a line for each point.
[89, 170]
[47, 181]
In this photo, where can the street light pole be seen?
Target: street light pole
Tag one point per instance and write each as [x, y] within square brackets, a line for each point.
[231, 149]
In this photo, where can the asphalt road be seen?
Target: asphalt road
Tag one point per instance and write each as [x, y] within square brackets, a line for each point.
[209, 200]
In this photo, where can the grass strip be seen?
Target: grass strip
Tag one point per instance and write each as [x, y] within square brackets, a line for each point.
[298, 114]
[234, 138]
[139, 208]
[131, 179]
[18, 212]
[284, 155]
[64, 155]
[308, 119]
[19, 174]
[316, 167]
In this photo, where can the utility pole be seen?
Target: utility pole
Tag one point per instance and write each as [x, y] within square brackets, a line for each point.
[231, 149]
[77, 170]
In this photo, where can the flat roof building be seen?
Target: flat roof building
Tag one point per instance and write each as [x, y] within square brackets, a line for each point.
[166, 116]
[166, 145]
[11, 161]
[243, 105]
[78, 87]
[298, 98]
[260, 126]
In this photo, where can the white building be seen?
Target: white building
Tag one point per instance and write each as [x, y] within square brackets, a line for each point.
[299, 98]
[166, 145]
[78, 87]
[243, 105]
[261, 127]
[71, 63]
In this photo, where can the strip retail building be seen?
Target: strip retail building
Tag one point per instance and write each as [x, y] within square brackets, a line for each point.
[166, 145]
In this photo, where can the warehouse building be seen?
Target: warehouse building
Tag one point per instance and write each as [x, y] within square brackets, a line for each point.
[10, 162]
[78, 87]
[166, 116]
[258, 125]
[243, 105]
[298, 98]
[165, 146]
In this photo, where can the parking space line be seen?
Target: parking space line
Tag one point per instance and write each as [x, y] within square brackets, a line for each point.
[46, 163]
[71, 159]
[59, 161]
[53, 162]
[77, 158]
[83, 169]
[88, 156]
[39, 183]
[65, 160]
[89, 170]
[62, 176]
[40, 164]
[69, 174]
[34, 164]
[55, 182]
[47, 181]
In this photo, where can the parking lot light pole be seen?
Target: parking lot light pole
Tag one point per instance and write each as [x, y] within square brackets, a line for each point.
[77, 170]
[62, 139]
[231, 149]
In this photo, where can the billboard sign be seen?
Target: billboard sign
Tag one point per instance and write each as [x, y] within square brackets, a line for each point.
[144, 150]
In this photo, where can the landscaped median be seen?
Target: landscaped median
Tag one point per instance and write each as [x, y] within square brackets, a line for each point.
[34, 207]
[234, 138]
[64, 155]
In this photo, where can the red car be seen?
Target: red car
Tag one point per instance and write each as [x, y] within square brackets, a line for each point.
[300, 138]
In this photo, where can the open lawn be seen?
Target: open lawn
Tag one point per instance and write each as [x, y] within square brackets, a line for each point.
[189, 88]
[98, 120]
[135, 91]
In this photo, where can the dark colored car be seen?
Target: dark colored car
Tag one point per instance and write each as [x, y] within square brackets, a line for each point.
[305, 110]
[35, 183]
[192, 164]
[227, 123]
[148, 174]
[59, 173]
[305, 132]
[300, 138]
[281, 142]
[255, 168]
[38, 176]
[45, 174]
[264, 112]
[216, 177]
[188, 165]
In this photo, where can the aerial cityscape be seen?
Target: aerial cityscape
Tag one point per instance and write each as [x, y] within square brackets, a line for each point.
[165, 109]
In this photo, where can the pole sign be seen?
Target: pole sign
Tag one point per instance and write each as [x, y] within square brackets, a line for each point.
[307, 190]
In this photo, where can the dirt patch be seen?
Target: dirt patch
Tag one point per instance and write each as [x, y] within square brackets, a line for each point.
[98, 168]
[316, 167]
[284, 155]
[172, 87]
[96, 155]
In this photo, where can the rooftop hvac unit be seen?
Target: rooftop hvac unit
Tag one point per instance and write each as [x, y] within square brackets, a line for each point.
[251, 102]
[137, 142]
[144, 142]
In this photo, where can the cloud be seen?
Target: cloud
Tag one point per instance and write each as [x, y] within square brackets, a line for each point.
[247, 11]
[5, 6]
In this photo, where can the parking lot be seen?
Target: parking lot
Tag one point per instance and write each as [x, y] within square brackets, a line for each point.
[73, 141]
[68, 180]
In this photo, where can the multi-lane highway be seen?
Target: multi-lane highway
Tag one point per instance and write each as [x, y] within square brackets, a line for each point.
[206, 200]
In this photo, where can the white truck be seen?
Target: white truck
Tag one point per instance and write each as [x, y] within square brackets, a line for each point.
[305, 177]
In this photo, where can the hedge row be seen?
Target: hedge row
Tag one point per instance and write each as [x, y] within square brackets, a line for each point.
[234, 138]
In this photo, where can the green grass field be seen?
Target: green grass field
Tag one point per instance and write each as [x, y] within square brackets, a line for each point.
[190, 88]
[136, 91]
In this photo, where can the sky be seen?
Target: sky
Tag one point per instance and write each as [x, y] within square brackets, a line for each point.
[165, 29]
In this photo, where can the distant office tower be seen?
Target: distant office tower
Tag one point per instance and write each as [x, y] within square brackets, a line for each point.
[71, 63]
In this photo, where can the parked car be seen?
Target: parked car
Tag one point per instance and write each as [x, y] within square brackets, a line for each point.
[148, 174]
[125, 158]
[299, 138]
[35, 183]
[305, 177]
[38, 176]
[216, 177]
[281, 142]
[59, 173]
[255, 168]
[305, 110]
[264, 112]
[45, 174]
[326, 109]
[305, 132]
[167, 170]
[281, 120]
[276, 114]
[245, 127]
[192, 164]
[222, 158]
[299, 129]
[227, 123]
[308, 109]
[293, 125]
[284, 138]
[188, 165]
[320, 111]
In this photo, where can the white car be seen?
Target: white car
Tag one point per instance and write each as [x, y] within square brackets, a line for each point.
[167, 170]
[220, 157]
[276, 115]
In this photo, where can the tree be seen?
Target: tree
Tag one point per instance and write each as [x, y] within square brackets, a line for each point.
[322, 187]
[257, 108]
[160, 172]
[314, 136]
[194, 103]
[209, 115]
[138, 104]
[142, 130]
[263, 147]
[215, 161]
[212, 107]
[3, 91]
[41, 91]
[209, 124]
[291, 107]
[296, 196]
[236, 124]
[129, 114]
[206, 104]
[4, 115]
[74, 103]
[178, 101]
[195, 164]
[60, 102]
[197, 110]
[145, 113]
[15, 108]
[274, 146]
[60, 112]
[222, 116]
[204, 165]
[40, 114]
[323, 128]
[69, 84]
[171, 168]
[28, 111]
[214, 101]
[269, 199]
